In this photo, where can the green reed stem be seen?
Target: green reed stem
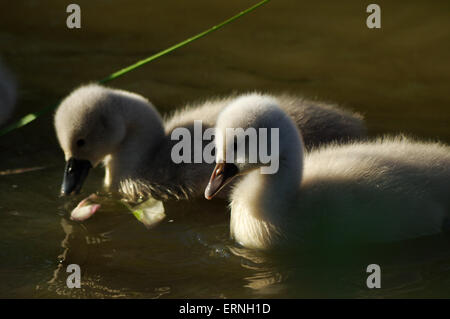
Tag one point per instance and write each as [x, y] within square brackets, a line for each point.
[33, 116]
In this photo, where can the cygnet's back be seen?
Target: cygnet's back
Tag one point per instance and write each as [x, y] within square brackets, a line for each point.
[387, 190]
[320, 122]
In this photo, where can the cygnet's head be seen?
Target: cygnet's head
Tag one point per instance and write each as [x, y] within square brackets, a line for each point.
[90, 124]
[248, 133]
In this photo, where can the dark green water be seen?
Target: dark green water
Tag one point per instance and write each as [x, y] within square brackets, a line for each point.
[398, 77]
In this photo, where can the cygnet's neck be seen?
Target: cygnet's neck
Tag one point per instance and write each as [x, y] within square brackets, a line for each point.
[144, 133]
[260, 202]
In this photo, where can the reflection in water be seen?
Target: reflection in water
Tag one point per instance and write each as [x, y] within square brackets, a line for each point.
[105, 253]
[264, 278]
[76, 245]
[119, 257]
[342, 272]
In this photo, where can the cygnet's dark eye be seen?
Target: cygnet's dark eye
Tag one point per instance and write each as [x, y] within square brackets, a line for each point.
[81, 142]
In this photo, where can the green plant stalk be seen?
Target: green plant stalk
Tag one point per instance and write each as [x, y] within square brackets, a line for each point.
[33, 116]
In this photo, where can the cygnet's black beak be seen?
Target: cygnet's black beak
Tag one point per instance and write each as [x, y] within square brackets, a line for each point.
[223, 173]
[74, 175]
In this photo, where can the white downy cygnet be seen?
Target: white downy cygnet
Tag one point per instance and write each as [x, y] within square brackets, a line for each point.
[123, 130]
[385, 190]
[7, 94]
